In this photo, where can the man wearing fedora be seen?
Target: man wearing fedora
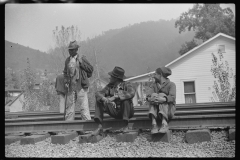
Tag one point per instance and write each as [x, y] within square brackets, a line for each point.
[162, 101]
[74, 83]
[115, 99]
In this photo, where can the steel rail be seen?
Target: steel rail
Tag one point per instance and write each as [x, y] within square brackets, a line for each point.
[137, 114]
[179, 107]
[193, 121]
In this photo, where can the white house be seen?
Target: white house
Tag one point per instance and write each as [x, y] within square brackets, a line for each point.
[192, 74]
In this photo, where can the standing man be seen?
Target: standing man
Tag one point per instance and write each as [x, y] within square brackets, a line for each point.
[74, 84]
[162, 101]
[115, 99]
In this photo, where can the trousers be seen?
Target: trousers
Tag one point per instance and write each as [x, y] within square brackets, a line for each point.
[81, 102]
[162, 111]
[125, 110]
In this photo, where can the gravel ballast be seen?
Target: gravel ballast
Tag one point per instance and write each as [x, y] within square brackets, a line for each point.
[141, 147]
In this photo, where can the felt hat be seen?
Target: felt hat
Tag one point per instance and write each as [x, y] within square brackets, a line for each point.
[118, 72]
[73, 45]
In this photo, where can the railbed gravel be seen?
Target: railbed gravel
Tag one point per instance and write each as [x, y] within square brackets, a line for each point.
[141, 147]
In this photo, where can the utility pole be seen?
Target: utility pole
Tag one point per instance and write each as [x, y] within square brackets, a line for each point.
[96, 64]
[97, 79]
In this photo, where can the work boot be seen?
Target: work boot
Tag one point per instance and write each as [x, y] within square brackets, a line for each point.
[97, 132]
[164, 128]
[154, 129]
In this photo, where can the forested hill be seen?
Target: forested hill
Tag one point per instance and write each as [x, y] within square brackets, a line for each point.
[16, 57]
[135, 48]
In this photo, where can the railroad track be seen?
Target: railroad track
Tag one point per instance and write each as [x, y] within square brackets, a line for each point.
[204, 115]
[181, 110]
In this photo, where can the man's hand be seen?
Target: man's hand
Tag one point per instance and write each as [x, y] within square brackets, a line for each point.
[112, 98]
[160, 99]
[116, 96]
[154, 95]
[79, 57]
[66, 85]
[105, 100]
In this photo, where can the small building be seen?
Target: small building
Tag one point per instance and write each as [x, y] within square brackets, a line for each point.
[192, 74]
[16, 104]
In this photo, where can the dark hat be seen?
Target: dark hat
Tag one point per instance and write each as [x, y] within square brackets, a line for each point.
[73, 45]
[118, 72]
[165, 71]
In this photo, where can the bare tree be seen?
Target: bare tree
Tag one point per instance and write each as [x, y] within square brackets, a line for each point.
[62, 37]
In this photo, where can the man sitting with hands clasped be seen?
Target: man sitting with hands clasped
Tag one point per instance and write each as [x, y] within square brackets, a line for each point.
[162, 101]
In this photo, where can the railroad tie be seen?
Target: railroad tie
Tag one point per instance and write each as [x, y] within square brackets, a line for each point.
[12, 139]
[231, 134]
[163, 137]
[63, 138]
[197, 136]
[34, 139]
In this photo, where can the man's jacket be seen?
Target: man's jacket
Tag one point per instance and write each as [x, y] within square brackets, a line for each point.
[85, 70]
[169, 88]
[125, 91]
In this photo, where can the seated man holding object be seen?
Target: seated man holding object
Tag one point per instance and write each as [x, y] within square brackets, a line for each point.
[162, 101]
[115, 99]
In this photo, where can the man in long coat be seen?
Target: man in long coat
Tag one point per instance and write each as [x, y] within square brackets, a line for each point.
[162, 102]
[74, 82]
[115, 99]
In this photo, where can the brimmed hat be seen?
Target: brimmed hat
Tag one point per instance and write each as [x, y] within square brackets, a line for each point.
[73, 45]
[118, 72]
[165, 71]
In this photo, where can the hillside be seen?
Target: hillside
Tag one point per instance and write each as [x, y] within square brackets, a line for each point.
[16, 57]
[135, 48]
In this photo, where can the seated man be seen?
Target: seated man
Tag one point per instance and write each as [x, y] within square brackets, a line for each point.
[115, 99]
[162, 101]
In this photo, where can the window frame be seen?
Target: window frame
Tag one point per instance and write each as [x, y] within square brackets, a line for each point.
[195, 87]
[224, 48]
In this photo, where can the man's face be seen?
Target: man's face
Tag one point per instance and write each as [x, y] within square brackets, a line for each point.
[113, 80]
[72, 52]
[157, 77]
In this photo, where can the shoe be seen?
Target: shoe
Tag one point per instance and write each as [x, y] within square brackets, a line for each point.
[125, 129]
[164, 128]
[97, 132]
[154, 129]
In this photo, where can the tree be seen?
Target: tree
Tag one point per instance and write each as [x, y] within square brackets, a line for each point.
[48, 95]
[207, 20]
[187, 46]
[15, 80]
[31, 99]
[7, 79]
[62, 37]
[224, 92]
[29, 78]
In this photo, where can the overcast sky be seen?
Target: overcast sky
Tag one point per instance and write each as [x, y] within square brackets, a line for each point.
[32, 24]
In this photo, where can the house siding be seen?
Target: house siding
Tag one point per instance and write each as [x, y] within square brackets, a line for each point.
[197, 66]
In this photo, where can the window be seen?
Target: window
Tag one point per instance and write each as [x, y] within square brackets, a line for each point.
[221, 48]
[189, 92]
